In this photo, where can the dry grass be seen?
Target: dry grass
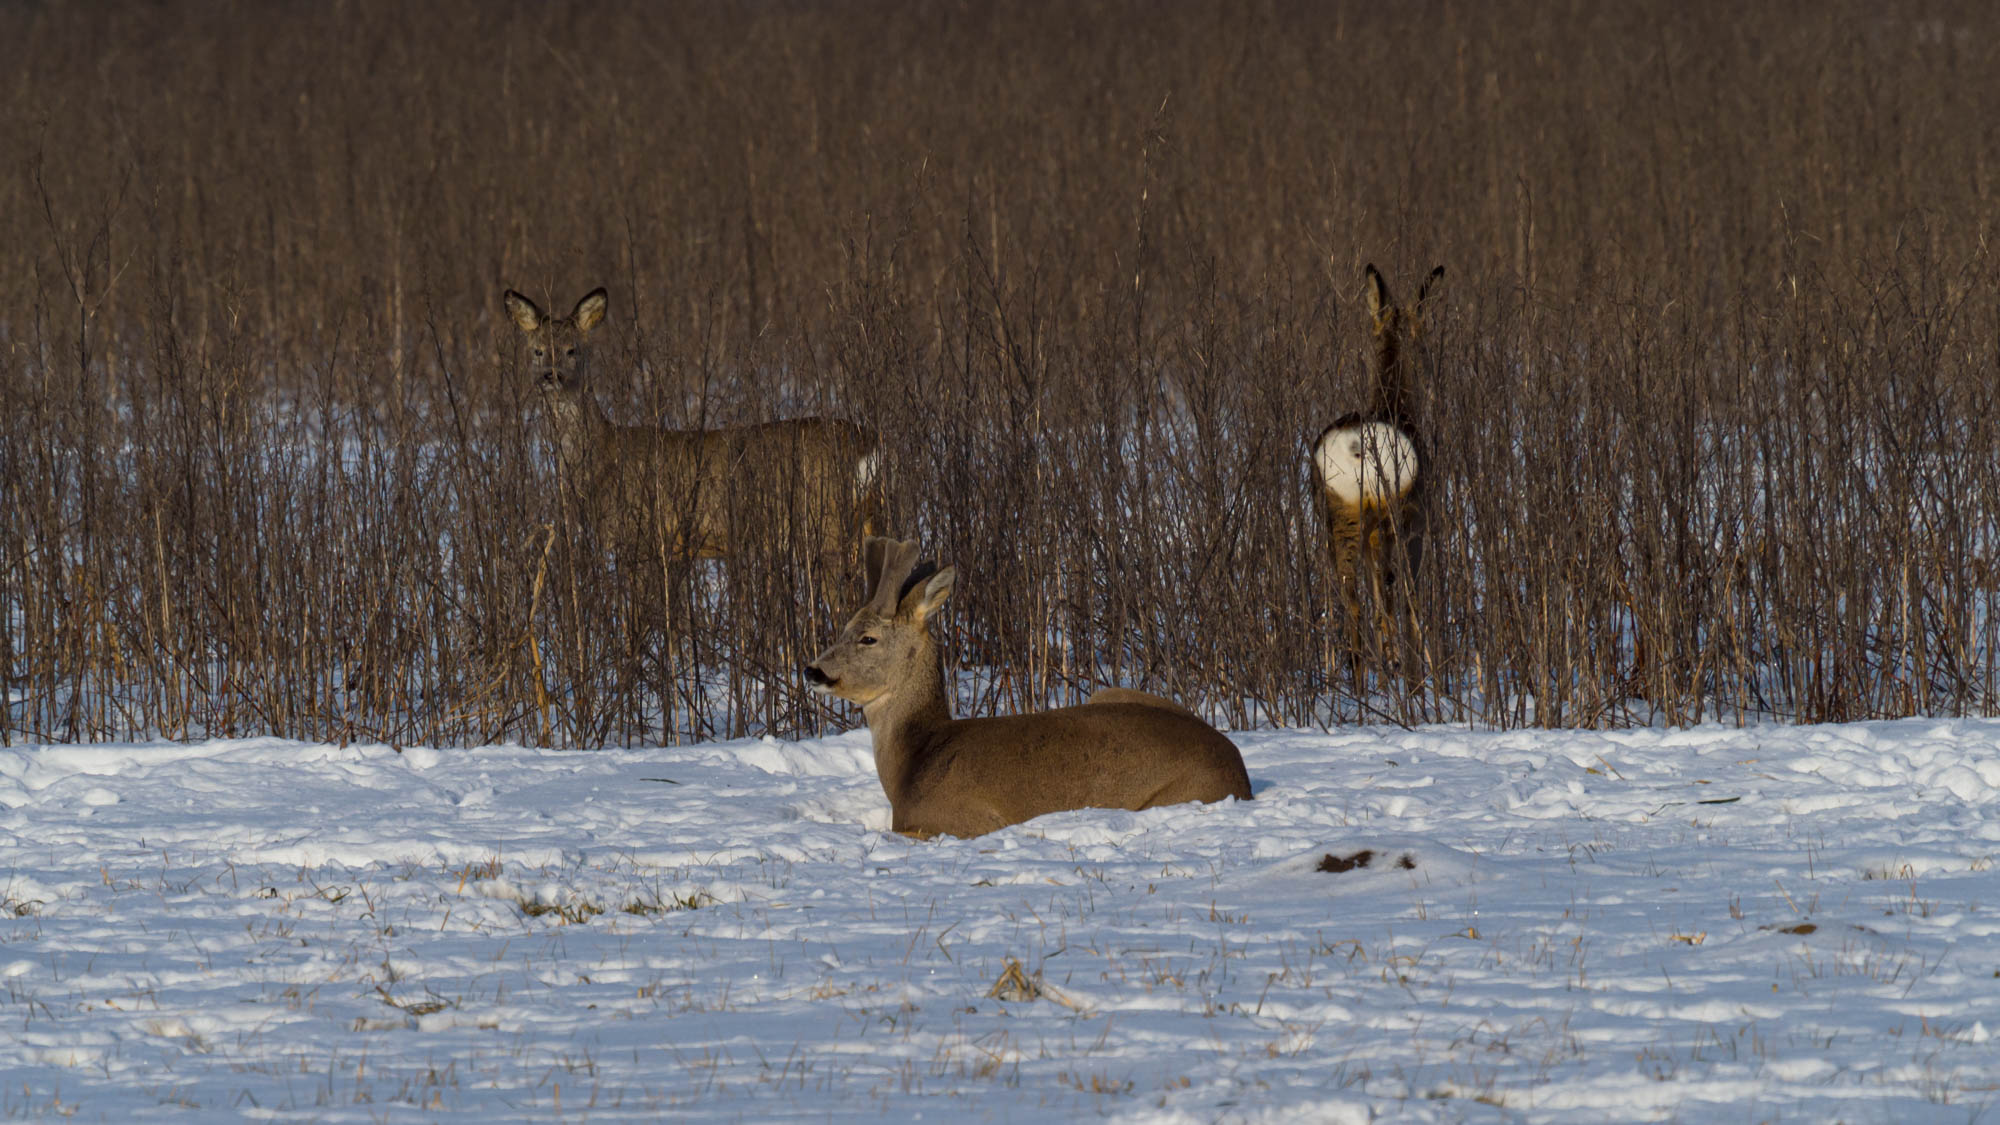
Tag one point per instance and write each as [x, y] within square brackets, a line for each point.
[1711, 396]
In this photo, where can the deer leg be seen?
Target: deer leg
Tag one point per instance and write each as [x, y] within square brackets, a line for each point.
[1409, 552]
[1178, 791]
[1349, 582]
[1394, 619]
[1386, 640]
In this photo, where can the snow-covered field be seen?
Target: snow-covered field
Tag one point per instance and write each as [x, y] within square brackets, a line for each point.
[1781, 923]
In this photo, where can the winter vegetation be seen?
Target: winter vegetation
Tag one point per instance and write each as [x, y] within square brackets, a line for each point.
[1709, 386]
[1663, 789]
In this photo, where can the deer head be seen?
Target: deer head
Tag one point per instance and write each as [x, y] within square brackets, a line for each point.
[558, 348]
[886, 646]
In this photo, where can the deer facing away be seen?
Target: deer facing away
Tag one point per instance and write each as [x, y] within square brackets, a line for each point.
[691, 486]
[1369, 472]
[966, 777]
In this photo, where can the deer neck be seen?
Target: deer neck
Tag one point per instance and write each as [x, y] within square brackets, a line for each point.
[907, 723]
[1388, 370]
[579, 424]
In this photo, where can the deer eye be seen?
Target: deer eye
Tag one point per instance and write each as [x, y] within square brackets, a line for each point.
[572, 351]
[539, 352]
[868, 640]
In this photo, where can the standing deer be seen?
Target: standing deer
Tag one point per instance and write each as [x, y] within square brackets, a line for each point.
[1122, 749]
[633, 482]
[1370, 474]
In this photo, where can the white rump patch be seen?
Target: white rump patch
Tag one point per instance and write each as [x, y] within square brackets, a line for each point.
[1369, 463]
[866, 468]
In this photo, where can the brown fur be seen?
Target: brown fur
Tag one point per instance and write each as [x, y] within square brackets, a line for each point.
[966, 777]
[640, 484]
[1378, 546]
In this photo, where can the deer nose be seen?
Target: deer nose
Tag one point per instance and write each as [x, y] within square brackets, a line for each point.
[815, 676]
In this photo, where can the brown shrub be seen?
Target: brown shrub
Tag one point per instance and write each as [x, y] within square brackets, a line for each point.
[1712, 412]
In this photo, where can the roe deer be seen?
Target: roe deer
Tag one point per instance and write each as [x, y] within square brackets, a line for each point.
[1370, 474]
[818, 473]
[1123, 749]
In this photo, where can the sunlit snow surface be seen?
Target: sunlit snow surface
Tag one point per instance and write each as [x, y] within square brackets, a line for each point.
[1781, 923]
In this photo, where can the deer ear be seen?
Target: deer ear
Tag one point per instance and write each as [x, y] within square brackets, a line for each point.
[897, 571]
[920, 603]
[1376, 293]
[1424, 291]
[874, 552]
[590, 310]
[522, 311]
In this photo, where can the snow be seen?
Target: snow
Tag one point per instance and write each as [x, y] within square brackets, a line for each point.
[1773, 923]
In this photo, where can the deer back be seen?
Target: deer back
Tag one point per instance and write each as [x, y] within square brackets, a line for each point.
[983, 774]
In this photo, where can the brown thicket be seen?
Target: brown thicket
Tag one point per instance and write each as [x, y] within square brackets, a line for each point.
[1710, 396]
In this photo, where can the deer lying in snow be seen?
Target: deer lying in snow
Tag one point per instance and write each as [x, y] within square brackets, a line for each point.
[1123, 749]
[636, 482]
